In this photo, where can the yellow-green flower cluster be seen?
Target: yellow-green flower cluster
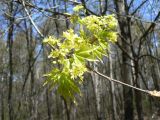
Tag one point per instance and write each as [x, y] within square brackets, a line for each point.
[71, 51]
[103, 28]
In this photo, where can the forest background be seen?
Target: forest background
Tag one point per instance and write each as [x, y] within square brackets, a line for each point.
[134, 59]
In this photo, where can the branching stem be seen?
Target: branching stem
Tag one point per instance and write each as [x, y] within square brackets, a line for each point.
[152, 93]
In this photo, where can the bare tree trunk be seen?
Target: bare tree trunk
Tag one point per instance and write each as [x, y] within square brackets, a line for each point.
[88, 103]
[33, 100]
[2, 104]
[67, 22]
[66, 108]
[55, 21]
[126, 69]
[138, 96]
[47, 89]
[97, 91]
[30, 49]
[113, 97]
[10, 45]
[48, 104]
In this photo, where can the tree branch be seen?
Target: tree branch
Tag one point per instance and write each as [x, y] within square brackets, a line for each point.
[35, 26]
[151, 28]
[40, 8]
[133, 17]
[139, 7]
[88, 10]
[130, 4]
[147, 55]
[152, 93]
[126, 52]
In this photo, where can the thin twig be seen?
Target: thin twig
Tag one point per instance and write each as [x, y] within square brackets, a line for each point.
[152, 93]
[41, 9]
[74, 2]
[148, 55]
[77, 3]
[23, 3]
[134, 17]
[122, 83]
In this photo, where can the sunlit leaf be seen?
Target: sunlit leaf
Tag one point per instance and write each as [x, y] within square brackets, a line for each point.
[71, 52]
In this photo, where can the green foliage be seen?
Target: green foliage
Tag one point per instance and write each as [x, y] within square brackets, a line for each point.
[71, 52]
[78, 8]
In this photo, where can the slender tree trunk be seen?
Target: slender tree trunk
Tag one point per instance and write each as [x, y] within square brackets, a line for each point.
[138, 96]
[88, 103]
[113, 101]
[48, 104]
[33, 101]
[10, 45]
[126, 69]
[30, 49]
[55, 21]
[2, 104]
[97, 91]
[67, 22]
[47, 89]
[66, 108]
